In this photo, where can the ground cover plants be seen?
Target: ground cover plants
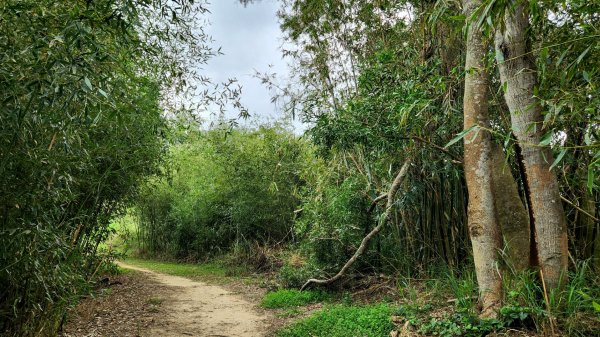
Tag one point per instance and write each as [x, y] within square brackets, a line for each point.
[289, 298]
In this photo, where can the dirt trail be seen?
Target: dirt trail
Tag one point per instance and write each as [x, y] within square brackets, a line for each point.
[200, 309]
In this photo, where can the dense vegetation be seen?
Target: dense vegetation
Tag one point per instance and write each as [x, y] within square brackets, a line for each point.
[81, 125]
[511, 217]
[225, 190]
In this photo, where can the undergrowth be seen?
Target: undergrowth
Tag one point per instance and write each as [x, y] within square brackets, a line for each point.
[573, 312]
[288, 298]
[343, 320]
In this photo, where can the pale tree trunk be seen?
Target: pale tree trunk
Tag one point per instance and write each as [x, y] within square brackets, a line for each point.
[483, 224]
[512, 214]
[518, 78]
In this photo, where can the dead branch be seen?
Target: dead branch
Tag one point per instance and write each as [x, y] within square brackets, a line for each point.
[375, 202]
[578, 208]
[365, 241]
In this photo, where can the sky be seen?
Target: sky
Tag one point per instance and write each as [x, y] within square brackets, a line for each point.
[250, 39]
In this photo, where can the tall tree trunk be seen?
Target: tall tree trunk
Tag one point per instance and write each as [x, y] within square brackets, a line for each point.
[518, 77]
[512, 214]
[483, 225]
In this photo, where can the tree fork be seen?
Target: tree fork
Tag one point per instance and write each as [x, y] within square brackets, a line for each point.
[365, 241]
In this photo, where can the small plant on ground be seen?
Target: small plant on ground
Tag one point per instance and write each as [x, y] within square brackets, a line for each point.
[288, 298]
[342, 321]
[154, 303]
[154, 300]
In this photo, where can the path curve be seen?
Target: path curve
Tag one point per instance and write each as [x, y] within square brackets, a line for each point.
[200, 309]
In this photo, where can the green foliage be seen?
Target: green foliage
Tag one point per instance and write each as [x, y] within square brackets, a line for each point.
[80, 127]
[334, 220]
[294, 276]
[225, 190]
[460, 322]
[344, 320]
[465, 290]
[286, 298]
[460, 325]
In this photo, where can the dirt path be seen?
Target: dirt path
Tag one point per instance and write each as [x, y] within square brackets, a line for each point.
[199, 309]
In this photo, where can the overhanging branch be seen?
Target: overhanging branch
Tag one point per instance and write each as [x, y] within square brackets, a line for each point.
[365, 241]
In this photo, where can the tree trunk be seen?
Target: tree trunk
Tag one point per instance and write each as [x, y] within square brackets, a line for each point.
[512, 214]
[518, 77]
[483, 224]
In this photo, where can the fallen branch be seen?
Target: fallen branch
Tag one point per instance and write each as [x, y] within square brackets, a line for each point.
[375, 202]
[365, 241]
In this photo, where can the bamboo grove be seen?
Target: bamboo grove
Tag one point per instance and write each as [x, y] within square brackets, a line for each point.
[81, 125]
[390, 83]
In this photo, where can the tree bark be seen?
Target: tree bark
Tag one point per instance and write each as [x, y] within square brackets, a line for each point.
[482, 220]
[518, 78]
[512, 214]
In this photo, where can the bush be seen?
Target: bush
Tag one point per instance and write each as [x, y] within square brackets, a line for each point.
[294, 276]
[226, 189]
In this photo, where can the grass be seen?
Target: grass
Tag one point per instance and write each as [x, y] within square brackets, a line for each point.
[211, 270]
[289, 298]
[291, 312]
[154, 301]
[344, 320]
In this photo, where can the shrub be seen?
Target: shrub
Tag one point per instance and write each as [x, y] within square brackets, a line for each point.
[294, 276]
[226, 189]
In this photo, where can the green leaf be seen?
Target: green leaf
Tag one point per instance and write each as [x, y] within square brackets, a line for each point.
[584, 295]
[582, 55]
[499, 56]
[558, 158]
[587, 139]
[460, 136]
[596, 306]
[562, 57]
[87, 83]
[102, 92]
[547, 138]
[586, 76]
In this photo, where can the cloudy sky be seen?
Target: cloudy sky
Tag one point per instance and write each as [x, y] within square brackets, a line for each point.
[250, 39]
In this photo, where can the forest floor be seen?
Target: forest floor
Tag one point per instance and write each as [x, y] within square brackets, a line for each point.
[149, 303]
[151, 298]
